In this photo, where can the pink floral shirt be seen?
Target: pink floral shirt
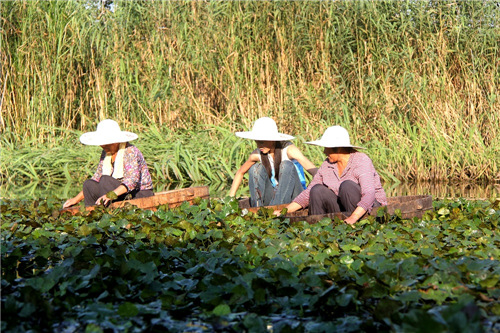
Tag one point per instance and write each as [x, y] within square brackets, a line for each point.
[360, 170]
[135, 170]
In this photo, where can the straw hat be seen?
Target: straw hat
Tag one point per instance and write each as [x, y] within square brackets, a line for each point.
[264, 129]
[108, 132]
[335, 137]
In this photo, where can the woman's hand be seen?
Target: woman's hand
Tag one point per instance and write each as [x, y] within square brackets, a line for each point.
[350, 220]
[104, 200]
[292, 207]
[355, 216]
[73, 201]
[70, 202]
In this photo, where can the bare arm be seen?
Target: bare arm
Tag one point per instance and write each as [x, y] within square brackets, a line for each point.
[122, 189]
[292, 207]
[356, 215]
[73, 201]
[294, 153]
[238, 177]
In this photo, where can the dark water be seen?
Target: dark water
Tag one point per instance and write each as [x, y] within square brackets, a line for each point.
[437, 190]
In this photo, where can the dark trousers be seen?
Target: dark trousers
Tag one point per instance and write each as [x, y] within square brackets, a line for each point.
[93, 190]
[322, 200]
[262, 192]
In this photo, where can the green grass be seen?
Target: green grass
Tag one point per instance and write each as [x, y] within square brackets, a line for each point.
[416, 82]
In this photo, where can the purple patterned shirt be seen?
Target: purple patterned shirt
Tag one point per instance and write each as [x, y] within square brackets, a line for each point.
[360, 170]
[135, 170]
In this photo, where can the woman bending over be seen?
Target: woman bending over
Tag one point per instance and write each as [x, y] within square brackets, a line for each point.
[346, 181]
[122, 168]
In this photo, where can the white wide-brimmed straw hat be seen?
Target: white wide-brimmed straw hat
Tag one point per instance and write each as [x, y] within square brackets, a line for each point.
[108, 132]
[335, 137]
[264, 129]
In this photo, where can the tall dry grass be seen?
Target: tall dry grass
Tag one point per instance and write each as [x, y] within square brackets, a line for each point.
[418, 80]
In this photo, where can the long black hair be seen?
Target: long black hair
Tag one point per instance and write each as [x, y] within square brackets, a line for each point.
[277, 159]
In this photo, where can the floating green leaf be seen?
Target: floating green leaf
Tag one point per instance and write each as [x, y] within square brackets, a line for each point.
[189, 266]
[222, 310]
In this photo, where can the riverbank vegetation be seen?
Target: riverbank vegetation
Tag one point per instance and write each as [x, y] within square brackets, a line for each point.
[416, 82]
[211, 267]
[181, 158]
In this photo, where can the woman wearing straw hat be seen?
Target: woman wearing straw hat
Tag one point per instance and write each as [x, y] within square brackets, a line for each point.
[122, 168]
[346, 181]
[276, 167]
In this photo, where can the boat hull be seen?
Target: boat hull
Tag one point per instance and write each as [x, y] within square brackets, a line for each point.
[172, 198]
[409, 206]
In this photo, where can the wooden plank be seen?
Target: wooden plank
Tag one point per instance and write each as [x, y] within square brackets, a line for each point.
[172, 198]
[245, 204]
[410, 206]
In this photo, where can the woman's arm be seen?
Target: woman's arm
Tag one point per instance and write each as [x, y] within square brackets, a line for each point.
[133, 161]
[356, 215]
[238, 177]
[97, 176]
[302, 200]
[121, 189]
[294, 153]
[73, 201]
[292, 207]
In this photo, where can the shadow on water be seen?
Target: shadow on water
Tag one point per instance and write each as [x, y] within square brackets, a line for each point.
[219, 190]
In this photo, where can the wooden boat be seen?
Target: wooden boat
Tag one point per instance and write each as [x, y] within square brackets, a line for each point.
[410, 207]
[171, 198]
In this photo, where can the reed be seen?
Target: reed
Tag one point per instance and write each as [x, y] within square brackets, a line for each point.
[415, 81]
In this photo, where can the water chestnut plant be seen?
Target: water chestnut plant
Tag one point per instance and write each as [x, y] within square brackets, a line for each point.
[212, 267]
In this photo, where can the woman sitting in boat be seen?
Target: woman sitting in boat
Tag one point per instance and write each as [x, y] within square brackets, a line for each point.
[346, 181]
[276, 167]
[122, 168]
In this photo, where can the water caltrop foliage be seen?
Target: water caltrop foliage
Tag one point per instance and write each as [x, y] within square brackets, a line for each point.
[417, 81]
[212, 267]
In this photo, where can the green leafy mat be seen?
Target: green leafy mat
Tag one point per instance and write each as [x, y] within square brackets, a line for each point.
[211, 267]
